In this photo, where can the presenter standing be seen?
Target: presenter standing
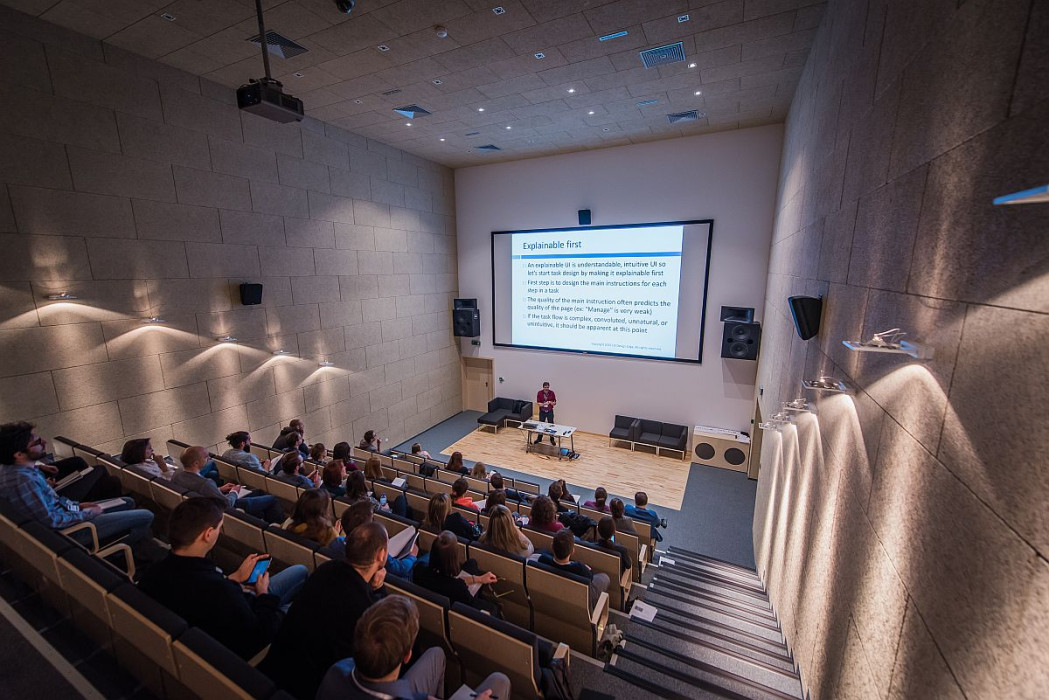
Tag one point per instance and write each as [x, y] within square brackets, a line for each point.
[546, 399]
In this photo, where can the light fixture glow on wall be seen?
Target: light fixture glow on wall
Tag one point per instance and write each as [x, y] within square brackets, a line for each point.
[153, 320]
[890, 341]
[226, 339]
[62, 296]
[326, 363]
[778, 427]
[827, 385]
[798, 405]
[281, 352]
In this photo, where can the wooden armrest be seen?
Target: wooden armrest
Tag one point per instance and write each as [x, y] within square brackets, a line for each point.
[129, 558]
[257, 659]
[600, 614]
[643, 554]
[626, 578]
[85, 525]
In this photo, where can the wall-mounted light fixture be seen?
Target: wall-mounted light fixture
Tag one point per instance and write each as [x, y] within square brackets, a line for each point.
[153, 320]
[798, 405]
[826, 385]
[326, 363]
[890, 341]
[1032, 196]
[62, 296]
[226, 339]
[281, 352]
[778, 427]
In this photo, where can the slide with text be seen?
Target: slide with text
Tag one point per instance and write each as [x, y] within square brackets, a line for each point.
[613, 291]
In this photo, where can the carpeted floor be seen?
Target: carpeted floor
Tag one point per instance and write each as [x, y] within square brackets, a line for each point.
[716, 513]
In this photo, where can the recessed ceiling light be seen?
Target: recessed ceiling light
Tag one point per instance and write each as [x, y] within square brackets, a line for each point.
[358, 102]
[691, 65]
[508, 128]
[226, 339]
[383, 47]
[281, 352]
[540, 55]
[299, 75]
[683, 18]
[609, 37]
[591, 112]
[437, 81]
[480, 109]
[571, 90]
[605, 129]
[407, 123]
[168, 16]
[699, 92]
[499, 10]
[442, 139]
[326, 363]
[153, 320]
[63, 296]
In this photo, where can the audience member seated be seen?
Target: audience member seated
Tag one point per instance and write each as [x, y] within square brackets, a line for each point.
[495, 481]
[544, 516]
[319, 453]
[139, 453]
[623, 523]
[479, 471]
[565, 493]
[441, 516]
[598, 503]
[287, 438]
[297, 473]
[240, 615]
[373, 469]
[94, 484]
[312, 518]
[561, 558]
[641, 511]
[442, 574]
[23, 484]
[239, 452]
[261, 505]
[418, 451]
[383, 641]
[455, 463]
[333, 478]
[357, 489]
[502, 533]
[606, 539]
[318, 630]
[352, 518]
[342, 451]
[371, 442]
[555, 494]
[460, 497]
[496, 497]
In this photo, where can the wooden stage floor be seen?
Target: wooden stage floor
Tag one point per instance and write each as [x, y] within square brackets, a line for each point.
[618, 469]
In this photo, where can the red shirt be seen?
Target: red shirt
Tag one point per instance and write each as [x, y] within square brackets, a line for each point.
[467, 502]
[543, 396]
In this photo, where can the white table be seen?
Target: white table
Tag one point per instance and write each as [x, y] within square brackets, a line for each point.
[560, 432]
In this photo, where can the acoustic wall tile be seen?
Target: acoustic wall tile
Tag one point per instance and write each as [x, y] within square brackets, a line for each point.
[88, 385]
[96, 301]
[106, 173]
[133, 339]
[27, 396]
[222, 260]
[164, 143]
[272, 136]
[240, 389]
[18, 305]
[57, 119]
[327, 393]
[194, 111]
[328, 208]
[187, 295]
[370, 213]
[103, 85]
[310, 290]
[920, 670]
[199, 365]
[23, 63]
[242, 323]
[295, 172]
[176, 222]
[31, 162]
[59, 213]
[1034, 62]
[279, 409]
[276, 291]
[287, 262]
[353, 237]
[271, 198]
[43, 258]
[340, 313]
[293, 319]
[320, 149]
[336, 262]
[235, 158]
[29, 350]
[350, 184]
[211, 189]
[211, 429]
[248, 228]
[92, 425]
[307, 233]
[137, 259]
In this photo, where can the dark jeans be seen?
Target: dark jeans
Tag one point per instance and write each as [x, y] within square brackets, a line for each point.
[97, 485]
[545, 417]
[263, 506]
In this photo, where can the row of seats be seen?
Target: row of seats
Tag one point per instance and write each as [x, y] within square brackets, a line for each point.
[156, 644]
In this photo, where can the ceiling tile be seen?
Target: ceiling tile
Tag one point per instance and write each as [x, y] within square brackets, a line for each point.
[485, 24]
[210, 17]
[527, 64]
[360, 32]
[615, 16]
[74, 16]
[521, 83]
[356, 64]
[577, 71]
[357, 87]
[153, 37]
[407, 16]
[592, 47]
[481, 53]
[553, 33]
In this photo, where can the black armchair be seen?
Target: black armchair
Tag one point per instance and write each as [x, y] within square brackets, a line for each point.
[625, 428]
[673, 437]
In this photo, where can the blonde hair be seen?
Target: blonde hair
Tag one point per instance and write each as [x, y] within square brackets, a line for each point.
[502, 533]
[373, 468]
[439, 510]
[478, 471]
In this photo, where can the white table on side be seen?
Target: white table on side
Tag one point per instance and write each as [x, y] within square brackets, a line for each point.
[548, 430]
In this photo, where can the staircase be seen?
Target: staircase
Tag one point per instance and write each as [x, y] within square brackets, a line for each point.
[714, 635]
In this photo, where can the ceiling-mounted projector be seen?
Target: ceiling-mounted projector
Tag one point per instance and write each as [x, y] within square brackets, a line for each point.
[265, 97]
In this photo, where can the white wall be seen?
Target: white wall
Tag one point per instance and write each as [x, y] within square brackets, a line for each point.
[729, 177]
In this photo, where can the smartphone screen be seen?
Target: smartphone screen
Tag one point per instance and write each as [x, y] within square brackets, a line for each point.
[260, 568]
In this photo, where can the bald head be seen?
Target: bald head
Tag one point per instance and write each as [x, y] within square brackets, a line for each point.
[194, 458]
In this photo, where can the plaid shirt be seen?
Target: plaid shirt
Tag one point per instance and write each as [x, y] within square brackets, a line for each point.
[28, 491]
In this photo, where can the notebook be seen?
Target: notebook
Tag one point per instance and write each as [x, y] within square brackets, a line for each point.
[401, 544]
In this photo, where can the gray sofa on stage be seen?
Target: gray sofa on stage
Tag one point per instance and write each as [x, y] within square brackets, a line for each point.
[501, 410]
[653, 433]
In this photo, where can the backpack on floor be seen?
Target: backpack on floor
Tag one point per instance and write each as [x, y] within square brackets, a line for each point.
[554, 682]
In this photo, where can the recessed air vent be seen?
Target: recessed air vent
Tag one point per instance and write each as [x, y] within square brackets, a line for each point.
[663, 55]
[488, 148]
[412, 111]
[646, 103]
[680, 117]
[391, 92]
[279, 45]
[473, 133]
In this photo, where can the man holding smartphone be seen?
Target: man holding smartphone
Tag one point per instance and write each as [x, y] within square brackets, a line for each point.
[243, 616]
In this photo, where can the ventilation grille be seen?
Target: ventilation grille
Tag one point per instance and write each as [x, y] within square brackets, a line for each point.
[412, 111]
[663, 55]
[680, 117]
[488, 148]
[646, 103]
[391, 92]
[279, 45]
[473, 133]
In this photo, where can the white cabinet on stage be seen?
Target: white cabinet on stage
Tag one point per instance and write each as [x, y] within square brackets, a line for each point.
[720, 447]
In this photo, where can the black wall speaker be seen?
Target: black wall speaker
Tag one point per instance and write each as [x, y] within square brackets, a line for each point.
[741, 340]
[806, 312]
[584, 217]
[250, 294]
[464, 303]
[466, 322]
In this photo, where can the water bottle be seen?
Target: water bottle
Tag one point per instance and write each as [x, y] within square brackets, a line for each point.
[382, 500]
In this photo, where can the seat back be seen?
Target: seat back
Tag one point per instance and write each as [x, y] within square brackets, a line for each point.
[282, 490]
[416, 482]
[434, 486]
[63, 447]
[418, 504]
[389, 490]
[263, 452]
[88, 580]
[510, 588]
[288, 548]
[433, 627]
[561, 607]
[135, 481]
[252, 478]
[526, 487]
[145, 625]
[487, 645]
[111, 465]
[389, 473]
[541, 540]
[478, 485]
[392, 523]
[227, 470]
[361, 455]
[245, 530]
[175, 449]
[404, 463]
[212, 672]
[88, 454]
[605, 562]
[166, 494]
